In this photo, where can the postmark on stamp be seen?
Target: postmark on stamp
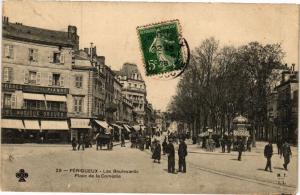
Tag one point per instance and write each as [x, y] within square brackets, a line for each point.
[165, 53]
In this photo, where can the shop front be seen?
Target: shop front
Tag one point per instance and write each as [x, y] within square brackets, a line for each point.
[11, 131]
[55, 131]
[80, 126]
[33, 133]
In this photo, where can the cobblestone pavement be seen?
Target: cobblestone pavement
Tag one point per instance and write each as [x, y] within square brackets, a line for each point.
[53, 168]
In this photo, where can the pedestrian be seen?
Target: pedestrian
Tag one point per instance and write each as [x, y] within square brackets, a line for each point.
[279, 145]
[223, 144]
[157, 152]
[249, 142]
[171, 156]
[182, 153]
[287, 153]
[148, 142]
[240, 148]
[74, 143]
[164, 146]
[229, 143]
[122, 140]
[268, 152]
[81, 142]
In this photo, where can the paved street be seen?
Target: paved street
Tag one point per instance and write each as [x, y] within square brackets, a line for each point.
[53, 167]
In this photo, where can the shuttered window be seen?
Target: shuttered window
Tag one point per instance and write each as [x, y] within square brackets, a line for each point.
[8, 51]
[7, 74]
[32, 55]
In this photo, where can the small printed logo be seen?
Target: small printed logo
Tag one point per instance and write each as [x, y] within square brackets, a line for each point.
[22, 175]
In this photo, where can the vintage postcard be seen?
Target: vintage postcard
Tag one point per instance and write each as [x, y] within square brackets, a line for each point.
[127, 97]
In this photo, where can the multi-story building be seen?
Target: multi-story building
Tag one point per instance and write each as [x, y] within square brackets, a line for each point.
[126, 112]
[110, 107]
[117, 99]
[160, 121]
[272, 116]
[134, 89]
[36, 69]
[287, 105]
[86, 93]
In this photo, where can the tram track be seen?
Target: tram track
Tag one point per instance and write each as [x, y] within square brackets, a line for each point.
[267, 183]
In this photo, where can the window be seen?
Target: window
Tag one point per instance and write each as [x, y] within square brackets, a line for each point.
[9, 51]
[7, 101]
[56, 79]
[78, 81]
[56, 106]
[33, 55]
[32, 77]
[34, 105]
[57, 58]
[78, 104]
[7, 74]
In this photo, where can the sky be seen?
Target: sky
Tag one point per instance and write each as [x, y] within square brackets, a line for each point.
[112, 28]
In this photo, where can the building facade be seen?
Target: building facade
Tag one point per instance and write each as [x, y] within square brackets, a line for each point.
[36, 66]
[287, 106]
[134, 89]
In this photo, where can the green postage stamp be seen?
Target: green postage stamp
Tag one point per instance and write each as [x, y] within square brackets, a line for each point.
[162, 48]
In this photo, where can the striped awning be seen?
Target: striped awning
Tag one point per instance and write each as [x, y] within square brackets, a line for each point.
[12, 124]
[32, 125]
[126, 127]
[54, 125]
[33, 96]
[117, 126]
[103, 124]
[56, 98]
[79, 123]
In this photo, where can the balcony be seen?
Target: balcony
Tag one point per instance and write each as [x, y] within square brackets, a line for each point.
[22, 113]
[34, 89]
[135, 89]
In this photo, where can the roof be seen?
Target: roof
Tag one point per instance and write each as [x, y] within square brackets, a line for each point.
[240, 119]
[127, 69]
[38, 35]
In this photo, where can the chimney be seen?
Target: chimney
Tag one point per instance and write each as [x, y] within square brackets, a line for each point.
[91, 50]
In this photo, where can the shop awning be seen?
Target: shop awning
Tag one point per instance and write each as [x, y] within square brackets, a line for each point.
[54, 125]
[34, 96]
[79, 123]
[127, 127]
[12, 124]
[56, 98]
[117, 126]
[32, 125]
[103, 124]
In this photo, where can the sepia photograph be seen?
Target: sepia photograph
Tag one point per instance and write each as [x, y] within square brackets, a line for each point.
[149, 97]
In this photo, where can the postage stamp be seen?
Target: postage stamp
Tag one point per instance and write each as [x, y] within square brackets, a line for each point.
[162, 47]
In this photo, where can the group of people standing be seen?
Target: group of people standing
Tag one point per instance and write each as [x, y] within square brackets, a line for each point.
[169, 150]
[82, 142]
[284, 150]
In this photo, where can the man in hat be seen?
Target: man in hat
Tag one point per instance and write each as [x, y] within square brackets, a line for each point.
[268, 152]
[81, 142]
[182, 153]
[171, 156]
[240, 148]
[287, 153]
